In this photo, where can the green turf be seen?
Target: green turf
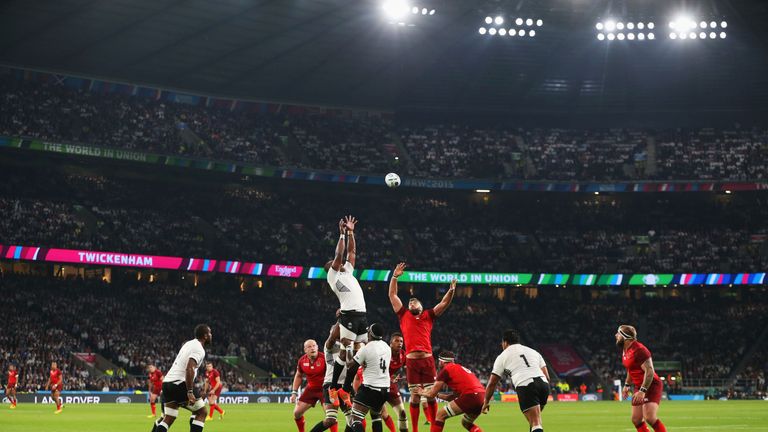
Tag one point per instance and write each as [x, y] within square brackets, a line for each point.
[573, 417]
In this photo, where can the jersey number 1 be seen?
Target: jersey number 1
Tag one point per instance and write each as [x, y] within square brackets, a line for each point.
[525, 360]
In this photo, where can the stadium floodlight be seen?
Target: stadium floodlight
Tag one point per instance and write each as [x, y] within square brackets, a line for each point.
[502, 32]
[724, 24]
[539, 23]
[722, 35]
[488, 20]
[424, 11]
[512, 32]
[620, 36]
[692, 35]
[499, 20]
[521, 33]
[641, 36]
[415, 10]
[482, 30]
[703, 24]
[620, 25]
[432, 12]
[713, 35]
[529, 22]
[532, 33]
[703, 35]
[599, 26]
[630, 26]
[519, 21]
[651, 36]
[492, 31]
[600, 36]
[673, 35]
[395, 8]
[631, 36]
[640, 26]
[651, 26]
[611, 36]
[683, 35]
[610, 25]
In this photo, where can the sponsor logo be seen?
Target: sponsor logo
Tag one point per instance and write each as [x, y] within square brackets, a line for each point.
[650, 279]
[123, 399]
[263, 399]
[589, 397]
[234, 399]
[285, 271]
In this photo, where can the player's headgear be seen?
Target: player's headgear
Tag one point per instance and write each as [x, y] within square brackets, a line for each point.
[628, 332]
[376, 331]
[447, 357]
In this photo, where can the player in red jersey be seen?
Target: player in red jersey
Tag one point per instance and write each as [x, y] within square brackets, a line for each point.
[637, 360]
[56, 384]
[213, 387]
[10, 387]
[155, 388]
[312, 365]
[416, 325]
[467, 396]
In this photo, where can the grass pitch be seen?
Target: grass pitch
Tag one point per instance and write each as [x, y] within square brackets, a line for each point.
[571, 417]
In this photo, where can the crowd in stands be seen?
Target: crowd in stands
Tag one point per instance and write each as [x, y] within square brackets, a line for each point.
[136, 323]
[603, 234]
[360, 142]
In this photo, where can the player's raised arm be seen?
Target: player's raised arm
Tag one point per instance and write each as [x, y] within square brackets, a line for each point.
[447, 299]
[397, 304]
[350, 223]
[338, 256]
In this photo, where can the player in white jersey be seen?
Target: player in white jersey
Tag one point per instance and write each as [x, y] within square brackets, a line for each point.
[352, 313]
[374, 358]
[332, 349]
[178, 385]
[527, 370]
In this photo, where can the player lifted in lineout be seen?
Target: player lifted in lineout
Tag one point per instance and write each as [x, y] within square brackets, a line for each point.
[416, 325]
[352, 320]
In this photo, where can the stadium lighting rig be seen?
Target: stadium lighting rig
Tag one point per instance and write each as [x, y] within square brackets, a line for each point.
[400, 11]
[611, 29]
[518, 27]
[685, 27]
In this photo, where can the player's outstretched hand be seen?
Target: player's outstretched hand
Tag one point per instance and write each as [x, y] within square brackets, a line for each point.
[486, 408]
[342, 225]
[453, 284]
[350, 222]
[399, 269]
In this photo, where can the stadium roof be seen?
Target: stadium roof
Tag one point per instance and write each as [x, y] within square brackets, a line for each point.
[347, 53]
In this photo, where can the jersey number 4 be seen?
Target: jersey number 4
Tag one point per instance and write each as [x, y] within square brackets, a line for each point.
[383, 365]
